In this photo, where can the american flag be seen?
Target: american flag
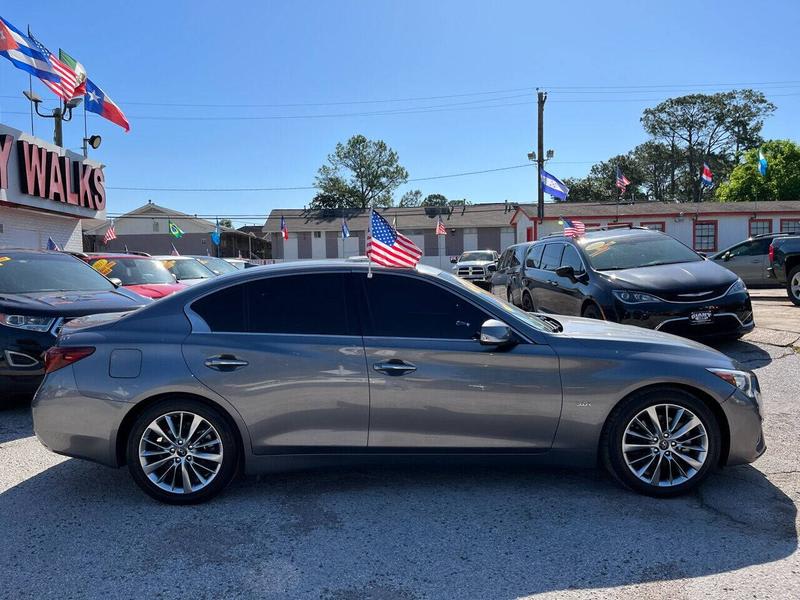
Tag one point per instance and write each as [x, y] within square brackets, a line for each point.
[389, 248]
[573, 228]
[440, 230]
[622, 181]
[64, 89]
[111, 234]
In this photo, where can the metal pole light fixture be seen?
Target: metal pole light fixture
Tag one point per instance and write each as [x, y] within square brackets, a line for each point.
[61, 113]
[94, 141]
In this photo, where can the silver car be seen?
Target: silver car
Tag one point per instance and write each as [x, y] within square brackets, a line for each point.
[307, 362]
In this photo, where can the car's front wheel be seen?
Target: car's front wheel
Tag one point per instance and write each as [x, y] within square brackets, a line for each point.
[182, 451]
[527, 302]
[662, 442]
[793, 285]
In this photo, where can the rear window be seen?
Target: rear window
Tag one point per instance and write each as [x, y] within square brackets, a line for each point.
[30, 273]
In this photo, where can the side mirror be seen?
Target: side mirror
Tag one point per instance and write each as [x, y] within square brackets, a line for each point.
[726, 257]
[566, 271]
[497, 333]
[116, 281]
[454, 259]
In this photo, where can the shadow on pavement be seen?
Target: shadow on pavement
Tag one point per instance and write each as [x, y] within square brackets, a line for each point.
[82, 530]
[15, 420]
[747, 353]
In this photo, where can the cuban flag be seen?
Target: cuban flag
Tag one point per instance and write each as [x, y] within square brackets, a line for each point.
[707, 178]
[762, 163]
[23, 53]
[284, 229]
[554, 186]
[345, 230]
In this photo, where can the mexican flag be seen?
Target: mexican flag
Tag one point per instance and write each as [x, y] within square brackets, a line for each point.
[80, 72]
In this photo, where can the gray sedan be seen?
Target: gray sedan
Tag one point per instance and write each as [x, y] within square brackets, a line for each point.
[307, 363]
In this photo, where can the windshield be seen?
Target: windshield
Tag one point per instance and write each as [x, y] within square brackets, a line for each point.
[549, 325]
[133, 271]
[219, 266]
[479, 255]
[630, 252]
[187, 268]
[48, 273]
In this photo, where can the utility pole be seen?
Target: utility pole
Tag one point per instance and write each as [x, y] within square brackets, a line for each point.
[541, 99]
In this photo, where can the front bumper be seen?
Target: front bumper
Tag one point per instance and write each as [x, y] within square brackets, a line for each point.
[731, 314]
[746, 435]
[22, 361]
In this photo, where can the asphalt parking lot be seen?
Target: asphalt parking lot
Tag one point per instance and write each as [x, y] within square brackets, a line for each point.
[71, 529]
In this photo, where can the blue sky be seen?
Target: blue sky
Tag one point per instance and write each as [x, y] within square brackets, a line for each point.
[337, 57]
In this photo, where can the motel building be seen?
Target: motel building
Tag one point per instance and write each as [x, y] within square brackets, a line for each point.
[45, 192]
[705, 226]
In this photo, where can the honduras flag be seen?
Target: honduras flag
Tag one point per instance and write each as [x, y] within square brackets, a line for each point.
[23, 53]
[345, 230]
[762, 163]
[554, 186]
[215, 235]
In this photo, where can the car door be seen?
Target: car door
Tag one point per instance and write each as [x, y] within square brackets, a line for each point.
[500, 276]
[546, 296]
[434, 386]
[746, 260]
[569, 293]
[287, 352]
[530, 279]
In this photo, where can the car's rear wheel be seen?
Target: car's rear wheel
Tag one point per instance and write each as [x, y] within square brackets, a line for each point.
[182, 451]
[592, 311]
[793, 285]
[662, 442]
[527, 302]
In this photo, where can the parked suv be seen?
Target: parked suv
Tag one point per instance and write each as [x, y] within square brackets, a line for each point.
[507, 279]
[636, 277]
[749, 259]
[784, 258]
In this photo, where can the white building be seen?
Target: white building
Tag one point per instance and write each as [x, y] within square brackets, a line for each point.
[704, 226]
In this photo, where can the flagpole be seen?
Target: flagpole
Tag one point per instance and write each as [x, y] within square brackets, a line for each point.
[30, 89]
[369, 237]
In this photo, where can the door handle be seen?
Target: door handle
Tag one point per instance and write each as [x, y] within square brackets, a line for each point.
[394, 367]
[225, 362]
[554, 283]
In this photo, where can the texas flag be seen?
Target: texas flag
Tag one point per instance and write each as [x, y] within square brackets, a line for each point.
[97, 101]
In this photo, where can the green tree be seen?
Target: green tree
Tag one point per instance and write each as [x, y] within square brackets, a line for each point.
[435, 200]
[713, 128]
[225, 223]
[410, 199]
[782, 181]
[359, 173]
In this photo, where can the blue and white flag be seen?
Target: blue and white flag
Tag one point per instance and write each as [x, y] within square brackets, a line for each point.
[215, 235]
[51, 245]
[762, 163]
[554, 186]
[345, 230]
[23, 53]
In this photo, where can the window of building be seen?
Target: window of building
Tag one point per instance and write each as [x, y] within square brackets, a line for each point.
[402, 306]
[551, 257]
[317, 234]
[655, 225]
[760, 226]
[705, 236]
[155, 226]
[790, 225]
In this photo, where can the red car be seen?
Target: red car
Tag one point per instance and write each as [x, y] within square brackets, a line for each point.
[141, 274]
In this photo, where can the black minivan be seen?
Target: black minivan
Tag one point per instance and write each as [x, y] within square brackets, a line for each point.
[507, 279]
[636, 277]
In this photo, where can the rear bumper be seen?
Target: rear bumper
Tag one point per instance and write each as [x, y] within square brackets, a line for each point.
[69, 423]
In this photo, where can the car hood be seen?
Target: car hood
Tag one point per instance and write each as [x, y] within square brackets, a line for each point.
[474, 263]
[698, 276]
[191, 282]
[71, 304]
[632, 339]
[156, 290]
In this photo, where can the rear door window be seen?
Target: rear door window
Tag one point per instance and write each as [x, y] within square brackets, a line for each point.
[551, 257]
[534, 258]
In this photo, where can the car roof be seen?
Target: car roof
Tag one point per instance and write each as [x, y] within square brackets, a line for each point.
[92, 255]
[170, 257]
[34, 252]
[604, 234]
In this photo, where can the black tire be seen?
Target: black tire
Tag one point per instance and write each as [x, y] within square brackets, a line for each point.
[794, 273]
[527, 302]
[592, 311]
[227, 447]
[613, 434]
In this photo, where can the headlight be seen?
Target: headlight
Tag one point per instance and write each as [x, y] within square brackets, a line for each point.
[634, 297]
[744, 380]
[26, 322]
[738, 286]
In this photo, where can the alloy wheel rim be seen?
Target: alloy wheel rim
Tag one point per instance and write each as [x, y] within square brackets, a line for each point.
[796, 285]
[665, 445]
[180, 452]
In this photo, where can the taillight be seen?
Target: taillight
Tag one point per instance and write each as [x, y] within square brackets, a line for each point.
[771, 253]
[59, 357]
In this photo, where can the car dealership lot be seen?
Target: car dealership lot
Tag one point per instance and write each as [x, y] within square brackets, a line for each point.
[74, 529]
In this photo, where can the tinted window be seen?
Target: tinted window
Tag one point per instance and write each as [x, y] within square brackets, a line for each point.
[477, 255]
[218, 265]
[294, 304]
[505, 259]
[25, 273]
[313, 304]
[187, 268]
[519, 255]
[133, 271]
[571, 258]
[223, 310]
[632, 251]
[535, 257]
[551, 257]
[399, 306]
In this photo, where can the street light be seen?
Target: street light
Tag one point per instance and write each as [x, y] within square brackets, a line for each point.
[94, 141]
[60, 114]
